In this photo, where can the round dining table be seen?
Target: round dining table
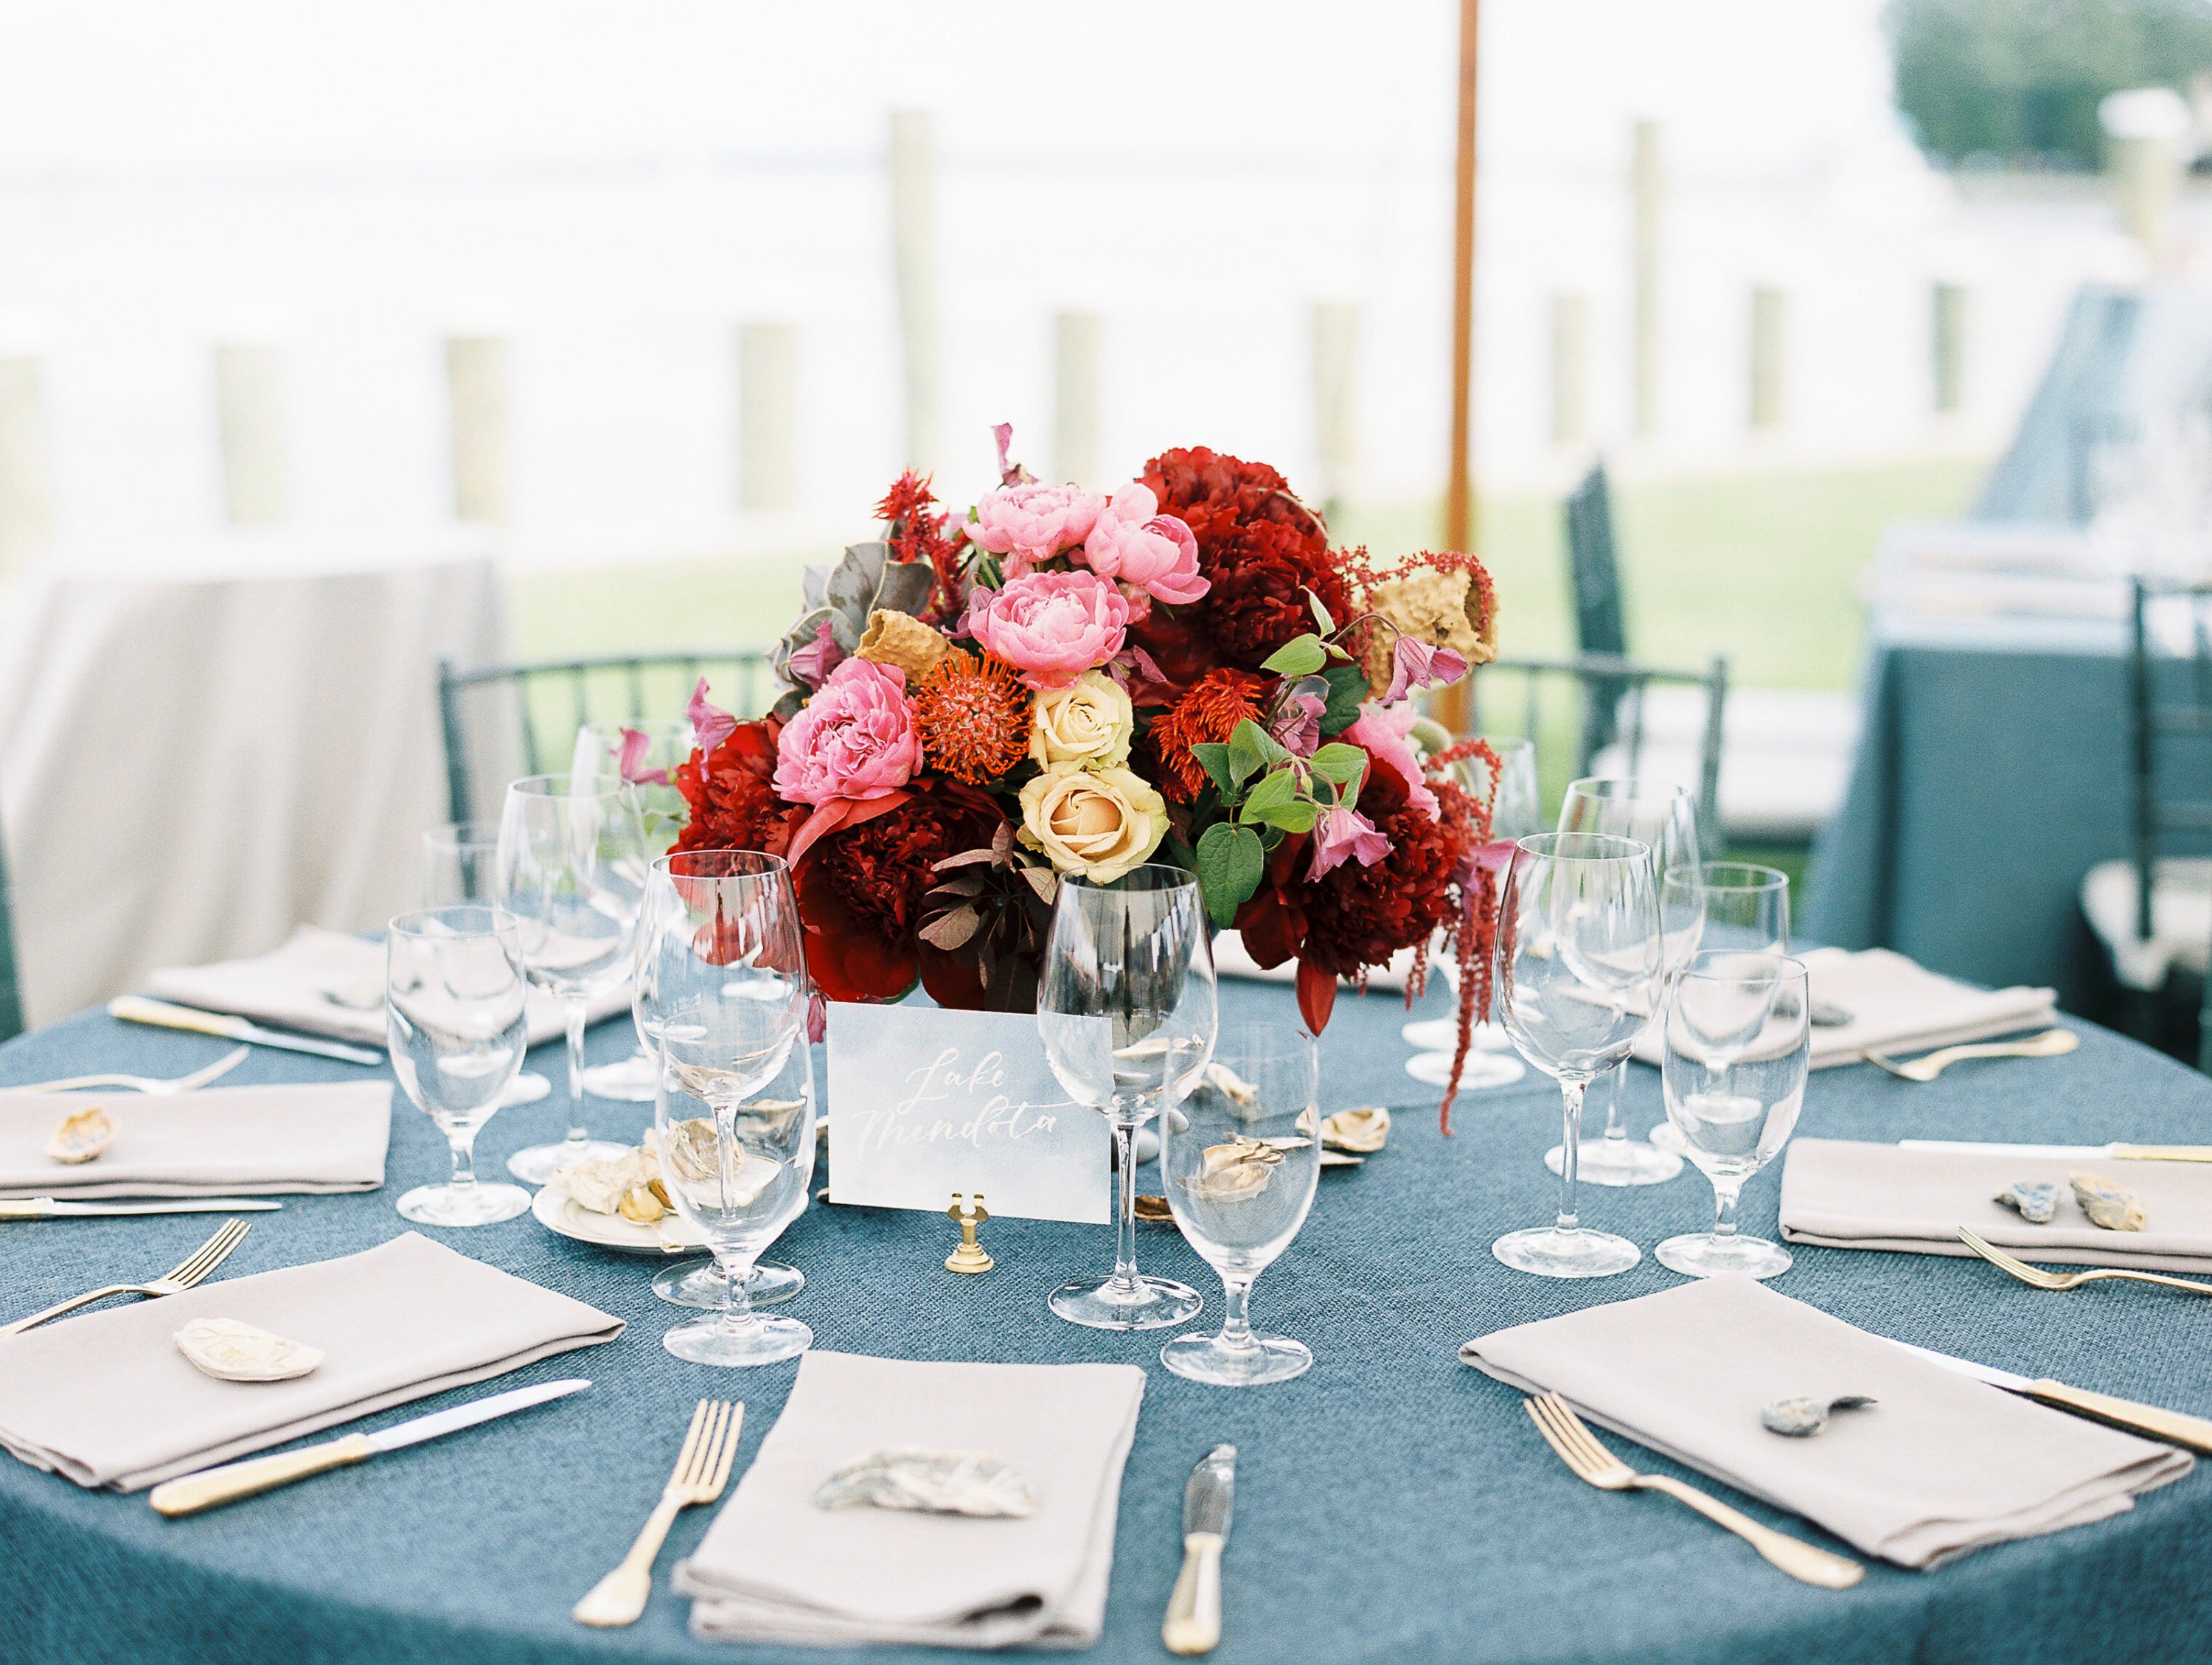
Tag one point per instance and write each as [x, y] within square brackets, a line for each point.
[1392, 1504]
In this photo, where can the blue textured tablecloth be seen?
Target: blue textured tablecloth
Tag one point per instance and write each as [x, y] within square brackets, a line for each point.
[1392, 1504]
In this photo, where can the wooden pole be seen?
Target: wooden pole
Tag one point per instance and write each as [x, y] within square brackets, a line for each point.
[1453, 706]
[913, 255]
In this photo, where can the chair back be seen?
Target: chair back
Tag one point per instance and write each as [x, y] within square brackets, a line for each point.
[2169, 706]
[503, 721]
[1593, 579]
[11, 994]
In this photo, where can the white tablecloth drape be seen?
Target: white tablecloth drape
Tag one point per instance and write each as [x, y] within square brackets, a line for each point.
[193, 762]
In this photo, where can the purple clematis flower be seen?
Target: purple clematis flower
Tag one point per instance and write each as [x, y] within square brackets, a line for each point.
[631, 761]
[710, 724]
[1296, 726]
[1342, 833]
[1414, 665]
[812, 664]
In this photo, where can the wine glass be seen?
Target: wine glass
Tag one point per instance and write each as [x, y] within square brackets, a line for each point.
[1578, 973]
[1128, 1011]
[1726, 904]
[720, 980]
[571, 876]
[1666, 818]
[453, 1016]
[1738, 1044]
[1514, 812]
[460, 864]
[663, 743]
[1239, 1159]
[738, 1167]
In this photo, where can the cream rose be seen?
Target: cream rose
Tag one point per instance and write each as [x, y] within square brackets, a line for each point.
[1086, 724]
[1097, 823]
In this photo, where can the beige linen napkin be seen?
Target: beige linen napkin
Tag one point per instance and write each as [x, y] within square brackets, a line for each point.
[1897, 1006]
[1944, 1464]
[107, 1399]
[326, 982]
[218, 1142]
[1843, 1194]
[775, 1567]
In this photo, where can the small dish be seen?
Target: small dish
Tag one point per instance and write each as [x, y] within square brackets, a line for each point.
[558, 1211]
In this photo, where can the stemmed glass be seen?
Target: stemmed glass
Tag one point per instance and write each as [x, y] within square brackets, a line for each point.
[454, 1015]
[720, 983]
[460, 864]
[1665, 819]
[599, 750]
[738, 1169]
[1129, 1014]
[1730, 904]
[1239, 1159]
[1578, 973]
[1738, 1045]
[570, 875]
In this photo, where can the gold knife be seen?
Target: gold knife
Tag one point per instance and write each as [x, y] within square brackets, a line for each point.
[2174, 1427]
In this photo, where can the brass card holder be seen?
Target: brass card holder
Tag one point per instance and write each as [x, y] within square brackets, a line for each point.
[969, 1213]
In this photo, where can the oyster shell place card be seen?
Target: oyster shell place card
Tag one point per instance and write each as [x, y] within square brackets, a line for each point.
[924, 1103]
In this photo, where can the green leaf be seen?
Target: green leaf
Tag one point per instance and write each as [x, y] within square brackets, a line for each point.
[1339, 763]
[1247, 753]
[1297, 818]
[1301, 656]
[1231, 861]
[1321, 614]
[1347, 691]
[1274, 790]
[1213, 757]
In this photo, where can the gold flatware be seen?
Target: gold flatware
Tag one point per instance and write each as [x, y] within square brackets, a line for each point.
[2041, 1280]
[145, 1084]
[1564, 1432]
[702, 1468]
[2052, 1043]
[193, 1269]
[2175, 1427]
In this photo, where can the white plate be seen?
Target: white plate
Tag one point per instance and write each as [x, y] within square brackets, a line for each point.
[556, 1210]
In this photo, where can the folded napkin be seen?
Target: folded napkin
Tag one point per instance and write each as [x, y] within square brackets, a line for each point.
[1897, 1006]
[218, 1142]
[1232, 959]
[107, 1399]
[326, 982]
[1843, 1194]
[1944, 1464]
[776, 1567]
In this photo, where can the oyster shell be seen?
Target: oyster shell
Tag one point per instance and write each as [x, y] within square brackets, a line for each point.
[2037, 1204]
[231, 1351]
[1802, 1418]
[1153, 1210]
[640, 1205]
[599, 1187]
[2112, 1206]
[1240, 1169]
[932, 1482]
[691, 1154]
[1362, 1132]
[1232, 1085]
[82, 1136]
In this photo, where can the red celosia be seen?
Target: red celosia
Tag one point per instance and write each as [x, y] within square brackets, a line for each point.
[732, 804]
[1210, 710]
[918, 533]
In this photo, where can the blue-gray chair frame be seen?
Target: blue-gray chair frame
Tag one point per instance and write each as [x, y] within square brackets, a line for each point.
[11, 994]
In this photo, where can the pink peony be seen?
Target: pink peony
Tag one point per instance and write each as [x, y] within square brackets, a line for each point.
[1380, 730]
[1338, 833]
[1051, 627]
[1032, 522]
[855, 738]
[1134, 542]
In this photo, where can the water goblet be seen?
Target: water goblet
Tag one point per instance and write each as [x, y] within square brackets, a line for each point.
[1128, 1011]
[738, 1168]
[1578, 972]
[460, 864]
[1739, 1041]
[1239, 1159]
[570, 876]
[453, 1016]
[1728, 904]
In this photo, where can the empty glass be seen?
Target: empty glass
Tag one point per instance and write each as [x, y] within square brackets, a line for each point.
[571, 876]
[460, 864]
[1239, 1159]
[1578, 973]
[1722, 904]
[1738, 1044]
[662, 744]
[739, 1170]
[1129, 1014]
[454, 1017]
[1666, 818]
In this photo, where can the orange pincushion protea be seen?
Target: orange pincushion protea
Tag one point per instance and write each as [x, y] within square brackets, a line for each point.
[1209, 710]
[975, 719]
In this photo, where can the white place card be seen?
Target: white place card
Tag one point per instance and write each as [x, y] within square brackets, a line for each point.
[924, 1103]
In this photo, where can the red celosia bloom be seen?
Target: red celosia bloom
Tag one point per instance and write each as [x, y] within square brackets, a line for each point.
[973, 714]
[732, 804]
[919, 534]
[1210, 710]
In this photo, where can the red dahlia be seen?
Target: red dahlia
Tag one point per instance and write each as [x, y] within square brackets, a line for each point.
[1360, 916]
[732, 804]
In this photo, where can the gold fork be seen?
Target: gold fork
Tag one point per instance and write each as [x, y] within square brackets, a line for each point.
[702, 1468]
[2052, 1043]
[193, 1269]
[2041, 1280]
[1564, 1431]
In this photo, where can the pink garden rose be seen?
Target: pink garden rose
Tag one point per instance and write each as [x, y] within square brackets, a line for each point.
[1380, 732]
[1051, 627]
[1134, 542]
[1032, 522]
[855, 738]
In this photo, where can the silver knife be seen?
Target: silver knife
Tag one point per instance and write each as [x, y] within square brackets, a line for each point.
[2115, 1152]
[1194, 1621]
[212, 1486]
[40, 1208]
[2172, 1426]
[137, 1009]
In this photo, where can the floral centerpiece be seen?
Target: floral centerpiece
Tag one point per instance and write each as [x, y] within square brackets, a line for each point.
[1068, 681]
